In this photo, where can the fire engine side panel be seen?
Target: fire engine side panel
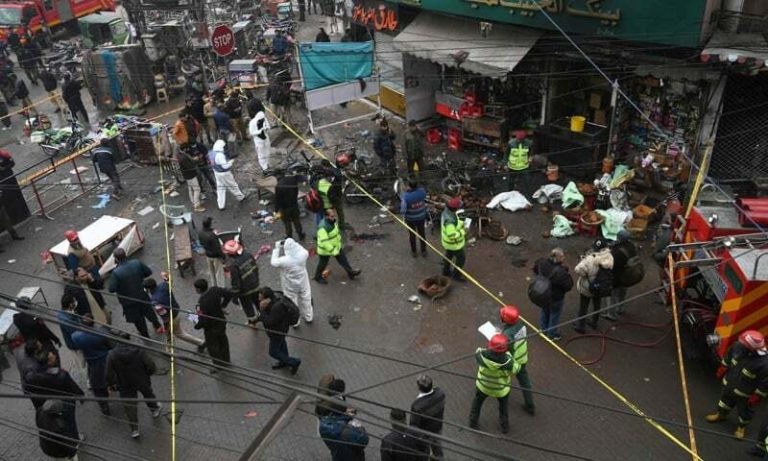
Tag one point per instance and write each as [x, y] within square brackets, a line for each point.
[744, 306]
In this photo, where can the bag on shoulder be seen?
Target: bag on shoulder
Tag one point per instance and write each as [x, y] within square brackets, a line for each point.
[291, 310]
[633, 272]
[540, 290]
[602, 285]
[312, 201]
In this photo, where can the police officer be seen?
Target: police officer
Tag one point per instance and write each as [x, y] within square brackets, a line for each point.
[244, 275]
[516, 333]
[744, 371]
[518, 161]
[453, 237]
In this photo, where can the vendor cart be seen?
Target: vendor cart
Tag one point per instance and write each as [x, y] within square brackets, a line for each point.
[147, 142]
[101, 238]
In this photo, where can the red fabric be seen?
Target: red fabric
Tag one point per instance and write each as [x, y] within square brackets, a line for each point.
[4, 153]
[721, 372]
[754, 400]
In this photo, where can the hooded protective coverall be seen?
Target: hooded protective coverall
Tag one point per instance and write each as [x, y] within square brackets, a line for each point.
[294, 278]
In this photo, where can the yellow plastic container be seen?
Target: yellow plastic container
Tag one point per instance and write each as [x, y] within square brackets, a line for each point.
[577, 123]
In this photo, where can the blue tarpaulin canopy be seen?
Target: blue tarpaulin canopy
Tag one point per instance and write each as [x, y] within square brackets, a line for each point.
[324, 64]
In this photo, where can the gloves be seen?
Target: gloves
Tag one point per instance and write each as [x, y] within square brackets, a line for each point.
[754, 400]
[721, 372]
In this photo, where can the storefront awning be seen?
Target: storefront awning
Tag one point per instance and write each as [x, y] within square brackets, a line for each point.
[444, 38]
[740, 48]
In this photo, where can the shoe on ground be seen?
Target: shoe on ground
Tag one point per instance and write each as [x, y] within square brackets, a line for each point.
[530, 409]
[135, 434]
[278, 366]
[354, 274]
[295, 369]
[320, 280]
[740, 432]
[714, 417]
[156, 410]
[610, 316]
[199, 209]
[308, 321]
[504, 429]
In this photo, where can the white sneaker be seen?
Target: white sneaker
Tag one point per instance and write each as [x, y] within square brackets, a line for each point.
[156, 411]
[135, 434]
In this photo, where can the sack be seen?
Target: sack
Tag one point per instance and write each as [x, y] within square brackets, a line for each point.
[312, 201]
[291, 310]
[540, 291]
[633, 272]
[602, 285]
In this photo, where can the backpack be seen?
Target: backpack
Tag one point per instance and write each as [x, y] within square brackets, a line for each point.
[633, 272]
[312, 201]
[291, 310]
[540, 290]
[602, 285]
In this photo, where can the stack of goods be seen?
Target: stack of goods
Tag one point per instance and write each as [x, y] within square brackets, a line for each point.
[638, 225]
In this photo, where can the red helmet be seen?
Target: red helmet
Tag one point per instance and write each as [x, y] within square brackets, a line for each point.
[454, 203]
[498, 343]
[232, 248]
[752, 340]
[509, 314]
[343, 160]
[71, 235]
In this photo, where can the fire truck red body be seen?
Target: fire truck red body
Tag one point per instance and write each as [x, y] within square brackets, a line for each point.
[730, 294]
[53, 13]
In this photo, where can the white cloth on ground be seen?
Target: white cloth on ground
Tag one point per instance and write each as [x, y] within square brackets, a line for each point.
[512, 201]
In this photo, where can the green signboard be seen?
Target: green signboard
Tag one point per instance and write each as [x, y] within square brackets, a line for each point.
[673, 22]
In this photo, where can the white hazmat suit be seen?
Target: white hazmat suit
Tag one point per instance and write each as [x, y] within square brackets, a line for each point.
[294, 278]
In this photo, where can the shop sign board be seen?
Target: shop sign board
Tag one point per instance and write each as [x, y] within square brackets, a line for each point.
[380, 16]
[677, 22]
[223, 40]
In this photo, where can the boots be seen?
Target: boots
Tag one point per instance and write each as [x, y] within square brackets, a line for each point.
[717, 417]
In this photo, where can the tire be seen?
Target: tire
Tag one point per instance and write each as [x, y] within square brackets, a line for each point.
[450, 186]
[352, 196]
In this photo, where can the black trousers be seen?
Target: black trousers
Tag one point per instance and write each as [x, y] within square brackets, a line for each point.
[115, 178]
[458, 257]
[417, 226]
[729, 400]
[248, 303]
[132, 408]
[218, 346]
[322, 263]
[138, 317]
[278, 350]
[584, 308]
[291, 219]
[77, 106]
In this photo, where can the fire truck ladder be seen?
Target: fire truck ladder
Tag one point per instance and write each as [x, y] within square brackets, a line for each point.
[697, 254]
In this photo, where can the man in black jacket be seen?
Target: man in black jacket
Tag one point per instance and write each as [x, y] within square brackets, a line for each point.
[244, 277]
[275, 315]
[622, 251]
[561, 283]
[188, 167]
[50, 84]
[212, 246]
[287, 204]
[129, 370]
[210, 309]
[127, 281]
[402, 444]
[104, 158]
[70, 91]
[33, 328]
[427, 413]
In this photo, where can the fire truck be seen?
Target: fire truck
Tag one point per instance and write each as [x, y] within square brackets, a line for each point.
[31, 15]
[721, 274]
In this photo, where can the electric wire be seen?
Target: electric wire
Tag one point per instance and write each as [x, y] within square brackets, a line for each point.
[351, 394]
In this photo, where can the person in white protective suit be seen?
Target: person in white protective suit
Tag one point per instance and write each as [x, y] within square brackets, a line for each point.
[294, 278]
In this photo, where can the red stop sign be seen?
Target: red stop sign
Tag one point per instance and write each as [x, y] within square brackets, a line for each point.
[223, 40]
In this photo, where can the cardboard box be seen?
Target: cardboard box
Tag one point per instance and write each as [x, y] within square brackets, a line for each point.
[600, 117]
[595, 100]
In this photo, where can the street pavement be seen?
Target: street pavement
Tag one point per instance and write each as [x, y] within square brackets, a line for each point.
[382, 337]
